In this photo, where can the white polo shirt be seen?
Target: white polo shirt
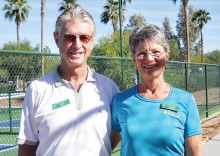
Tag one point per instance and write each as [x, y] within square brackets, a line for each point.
[64, 122]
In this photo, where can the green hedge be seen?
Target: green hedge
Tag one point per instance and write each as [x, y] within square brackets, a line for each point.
[7, 87]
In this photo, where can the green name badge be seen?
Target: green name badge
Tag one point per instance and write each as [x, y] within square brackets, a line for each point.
[60, 104]
[171, 107]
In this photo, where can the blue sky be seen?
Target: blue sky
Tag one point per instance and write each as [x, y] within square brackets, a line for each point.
[154, 12]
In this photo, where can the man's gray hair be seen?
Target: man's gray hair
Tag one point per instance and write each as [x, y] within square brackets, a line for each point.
[145, 33]
[73, 14]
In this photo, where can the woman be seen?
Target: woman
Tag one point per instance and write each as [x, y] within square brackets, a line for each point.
[153, 117]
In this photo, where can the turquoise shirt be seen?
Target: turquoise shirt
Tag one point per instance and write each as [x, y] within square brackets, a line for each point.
[154, 127]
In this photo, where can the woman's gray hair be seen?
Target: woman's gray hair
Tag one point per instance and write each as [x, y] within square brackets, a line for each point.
[148, 32]
[73, 14]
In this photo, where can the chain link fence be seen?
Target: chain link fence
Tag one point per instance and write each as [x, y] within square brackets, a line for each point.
[18, 69]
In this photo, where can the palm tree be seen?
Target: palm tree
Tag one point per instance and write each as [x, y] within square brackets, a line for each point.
[185, 8]
[18, 11]
[111, 12]
[124, 2]
[68, 4]
[201, 17]
[42, 34]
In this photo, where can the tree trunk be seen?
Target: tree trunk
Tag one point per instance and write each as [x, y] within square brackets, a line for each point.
[202, 53]
[185, 6]
[115, 27]
[42, 35]
[18, 33]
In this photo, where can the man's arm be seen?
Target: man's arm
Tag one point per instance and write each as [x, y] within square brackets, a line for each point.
[193, 146]
[115, 139]
[27, 150]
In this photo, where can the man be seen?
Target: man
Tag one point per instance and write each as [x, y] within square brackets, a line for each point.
[67, 112]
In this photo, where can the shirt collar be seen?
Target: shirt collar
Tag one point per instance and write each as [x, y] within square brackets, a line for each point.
[59, 81]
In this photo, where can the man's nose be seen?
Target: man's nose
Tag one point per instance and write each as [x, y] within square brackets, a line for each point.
[77, 43]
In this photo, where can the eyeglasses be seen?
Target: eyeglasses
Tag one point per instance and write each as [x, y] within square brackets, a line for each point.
[142, 55]
[84, 39]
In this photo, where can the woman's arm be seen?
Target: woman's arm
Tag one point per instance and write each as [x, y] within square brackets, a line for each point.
[115, 139]
[193, 146]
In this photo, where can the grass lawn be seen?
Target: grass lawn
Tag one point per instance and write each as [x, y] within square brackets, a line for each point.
[116, 153]
[202, 109]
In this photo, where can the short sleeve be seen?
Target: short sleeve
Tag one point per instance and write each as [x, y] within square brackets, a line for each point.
[115, 123]
[28, 129]
[193, 125]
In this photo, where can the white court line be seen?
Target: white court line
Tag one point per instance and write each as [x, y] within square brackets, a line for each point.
[10, 148]
[14, 95]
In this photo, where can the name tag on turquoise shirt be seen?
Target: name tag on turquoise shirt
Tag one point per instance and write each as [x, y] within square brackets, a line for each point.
[171, 107]
[60, 104]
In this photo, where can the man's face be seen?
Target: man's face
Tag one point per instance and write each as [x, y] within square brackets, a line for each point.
[75, 42]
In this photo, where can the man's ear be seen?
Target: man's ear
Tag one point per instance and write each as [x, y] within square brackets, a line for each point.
[56, 38]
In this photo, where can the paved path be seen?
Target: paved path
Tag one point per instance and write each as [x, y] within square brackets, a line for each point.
[212, 147]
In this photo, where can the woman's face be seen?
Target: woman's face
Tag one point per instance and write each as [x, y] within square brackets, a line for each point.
[150, 59]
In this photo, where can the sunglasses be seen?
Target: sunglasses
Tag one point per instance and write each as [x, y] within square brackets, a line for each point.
[72, 38]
